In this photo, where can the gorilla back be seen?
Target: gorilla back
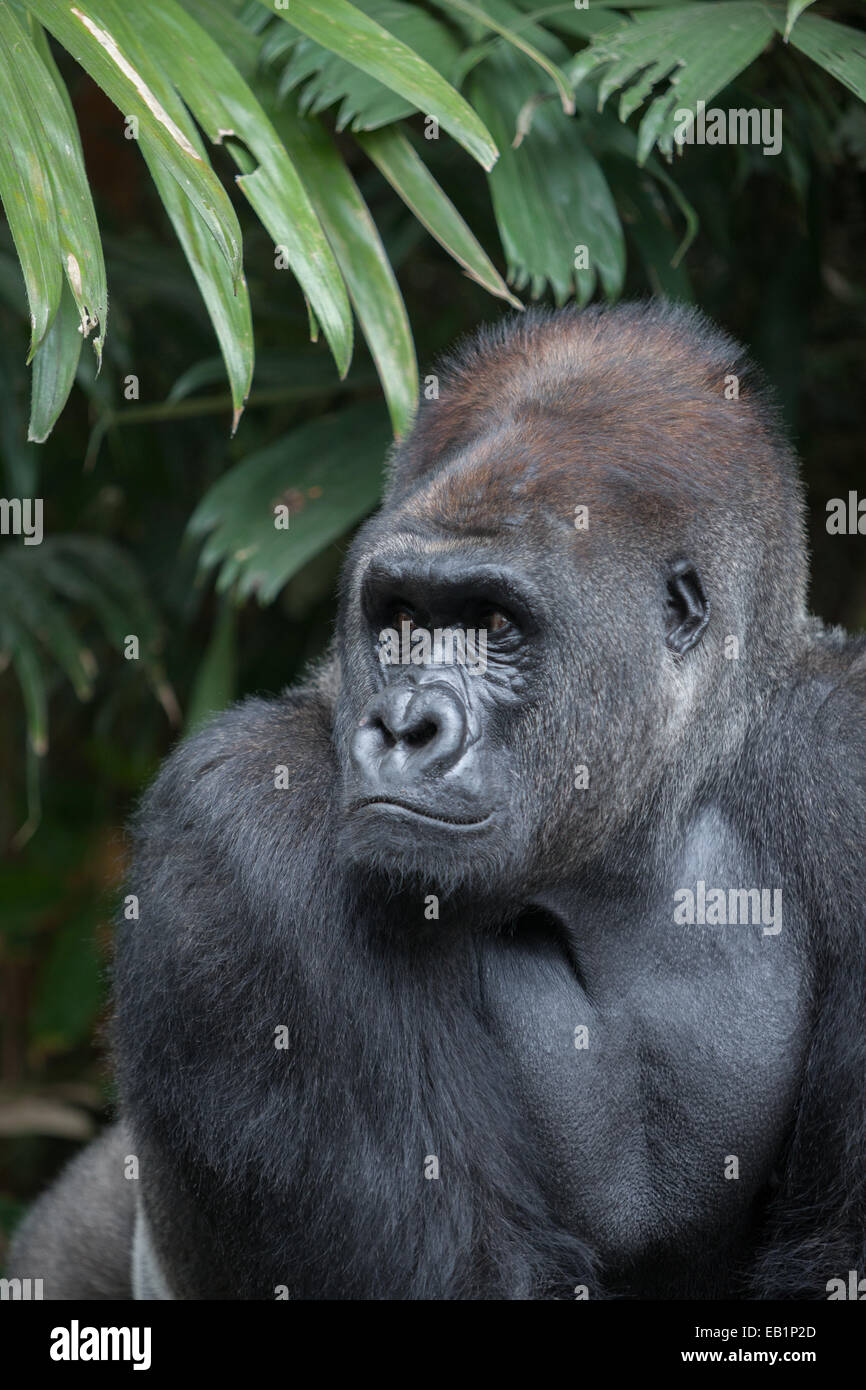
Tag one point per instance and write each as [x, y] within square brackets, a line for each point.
[535, 973]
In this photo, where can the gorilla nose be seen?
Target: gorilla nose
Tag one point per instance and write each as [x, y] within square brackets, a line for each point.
[409, 731]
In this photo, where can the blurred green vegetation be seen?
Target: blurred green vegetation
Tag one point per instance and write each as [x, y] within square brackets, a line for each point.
[159, 523]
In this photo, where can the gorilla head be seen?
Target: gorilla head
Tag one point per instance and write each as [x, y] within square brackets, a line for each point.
[601, 503]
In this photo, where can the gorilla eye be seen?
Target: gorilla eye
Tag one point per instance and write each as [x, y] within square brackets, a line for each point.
[402, 615]
[497, 621]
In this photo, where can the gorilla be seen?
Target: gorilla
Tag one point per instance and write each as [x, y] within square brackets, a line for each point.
[525, 967]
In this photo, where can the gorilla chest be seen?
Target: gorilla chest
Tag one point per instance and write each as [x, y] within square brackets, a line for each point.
[656, 1060]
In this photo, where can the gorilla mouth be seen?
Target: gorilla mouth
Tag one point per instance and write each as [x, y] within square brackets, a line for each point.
[464, 822]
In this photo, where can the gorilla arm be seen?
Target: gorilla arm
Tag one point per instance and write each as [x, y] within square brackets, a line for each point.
[78, 1237]
[818, 1221]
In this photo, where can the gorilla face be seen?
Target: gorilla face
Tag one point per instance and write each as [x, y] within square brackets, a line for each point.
[450, 647]
[474, 669]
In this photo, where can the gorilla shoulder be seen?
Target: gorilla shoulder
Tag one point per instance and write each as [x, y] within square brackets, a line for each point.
[839, 726]
[262, 763]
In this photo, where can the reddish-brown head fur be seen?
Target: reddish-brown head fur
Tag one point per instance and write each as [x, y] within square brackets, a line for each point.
[645, 413]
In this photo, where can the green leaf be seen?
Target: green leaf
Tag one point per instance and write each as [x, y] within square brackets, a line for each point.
[397, 159]
[278, 42]
[553, 13]
[838, 49]
[514, 27]
[550, 194]
[649, 227]
[216, 679]
[23, 653]
[59, 198]
[283, 375]
[224, 105]
[103, 41]
[80, 244]
[98, 577]
[119, 576]
[363, 100]
[32, 606]
[795, 9]
[240, 45]
[578, 24]
[229, 311]
[582, 24]
[328, 473]
[362, 259]
[347, 31]
[54, 365]
[208, 372]
[616, 144]
[698, 48]
[28, 671]
[25, 186]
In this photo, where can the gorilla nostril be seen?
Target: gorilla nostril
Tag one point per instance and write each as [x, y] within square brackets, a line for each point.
[388, 738]
[421, 734]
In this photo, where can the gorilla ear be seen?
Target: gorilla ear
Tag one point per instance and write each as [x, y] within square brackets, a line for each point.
[688, 609]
